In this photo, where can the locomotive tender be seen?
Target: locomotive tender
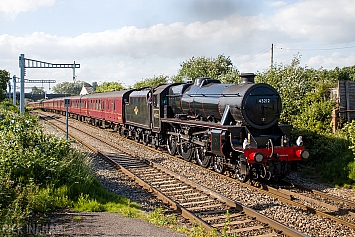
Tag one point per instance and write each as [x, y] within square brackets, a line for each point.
[230, 127]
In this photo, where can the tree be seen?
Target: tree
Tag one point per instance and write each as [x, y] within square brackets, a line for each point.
[94, 86]
[151, 82]
[4, 78]
[293, 85]
[109, 86]
[72, 88]
[220, 68]
[36, 90]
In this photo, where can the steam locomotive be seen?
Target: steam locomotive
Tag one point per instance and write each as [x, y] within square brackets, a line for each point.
[227, 127]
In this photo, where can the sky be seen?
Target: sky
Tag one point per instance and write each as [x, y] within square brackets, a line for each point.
[131, 40]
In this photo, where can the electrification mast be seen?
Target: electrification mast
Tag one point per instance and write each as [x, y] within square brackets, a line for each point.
[30, 63]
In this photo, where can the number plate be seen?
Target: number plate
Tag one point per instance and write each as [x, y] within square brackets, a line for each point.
[263, 101]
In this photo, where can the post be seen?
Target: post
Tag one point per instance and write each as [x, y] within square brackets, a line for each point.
[334, 120]
[66, 123]
[14, 92]
[66, 105]
[272, 56]
[22, 83]
[347, 94]
[74, 72]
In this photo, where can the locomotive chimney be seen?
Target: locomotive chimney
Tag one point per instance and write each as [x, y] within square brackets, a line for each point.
[247, 77]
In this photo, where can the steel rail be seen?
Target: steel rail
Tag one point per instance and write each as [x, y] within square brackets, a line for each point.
[283, 197]
[184, 212]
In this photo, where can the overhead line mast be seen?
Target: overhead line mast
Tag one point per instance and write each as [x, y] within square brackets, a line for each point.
[30, 63]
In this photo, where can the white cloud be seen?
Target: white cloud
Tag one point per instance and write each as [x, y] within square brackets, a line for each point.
[13, 7]
[166, 41]
[276, 3]
[129, 54]
[328, 21]
[335, 60]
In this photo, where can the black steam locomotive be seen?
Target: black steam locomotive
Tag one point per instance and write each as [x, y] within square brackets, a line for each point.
[224, 126]
[230, 127]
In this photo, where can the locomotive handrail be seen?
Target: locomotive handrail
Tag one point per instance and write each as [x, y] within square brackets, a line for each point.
[272, 147]
[203, 95]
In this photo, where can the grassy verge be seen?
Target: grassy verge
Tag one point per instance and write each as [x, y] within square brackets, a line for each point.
[332, 159]
[40, 173]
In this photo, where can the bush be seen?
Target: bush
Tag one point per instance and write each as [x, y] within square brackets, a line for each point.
[349, 129]
[307, 105]
[40, 173]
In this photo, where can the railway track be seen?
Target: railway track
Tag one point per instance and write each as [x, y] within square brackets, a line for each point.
[340, 210]
[330, 206]
[195, 202]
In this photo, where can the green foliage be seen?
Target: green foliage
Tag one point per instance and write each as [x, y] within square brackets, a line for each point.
[350, 131]
[157, 217]
[292, 84]
[4, 78]
[109, 86]
[40, 173]
[71, 88]
[220, 68]
[308, 107]
[151, 82]
[99, 199]
[330, 155]
[36, 90]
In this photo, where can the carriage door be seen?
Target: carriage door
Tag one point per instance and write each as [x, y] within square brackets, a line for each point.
[156, 112]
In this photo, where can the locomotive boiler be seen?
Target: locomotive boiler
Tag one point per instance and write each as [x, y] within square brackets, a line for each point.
[229, 126]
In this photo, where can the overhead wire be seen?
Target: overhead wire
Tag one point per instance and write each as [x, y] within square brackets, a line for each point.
[316, 49]
[258, 54]
[299, 49]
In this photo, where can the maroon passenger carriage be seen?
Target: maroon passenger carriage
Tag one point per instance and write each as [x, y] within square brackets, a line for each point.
[103, 109]
[100, 109]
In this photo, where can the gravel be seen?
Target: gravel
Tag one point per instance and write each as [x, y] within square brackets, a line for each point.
[293, 217]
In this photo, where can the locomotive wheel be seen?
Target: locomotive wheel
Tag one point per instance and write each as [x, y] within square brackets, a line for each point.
[125, 133]
[202, 159]
[171, 144]
[186, 151]
[241, 177]
[219, 166]
[155, 142]
[136, 137]
[145, 139]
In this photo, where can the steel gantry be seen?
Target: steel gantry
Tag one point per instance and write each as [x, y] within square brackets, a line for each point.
[30, 63]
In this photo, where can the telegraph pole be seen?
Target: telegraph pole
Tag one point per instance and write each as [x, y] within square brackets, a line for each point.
[272, 56]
